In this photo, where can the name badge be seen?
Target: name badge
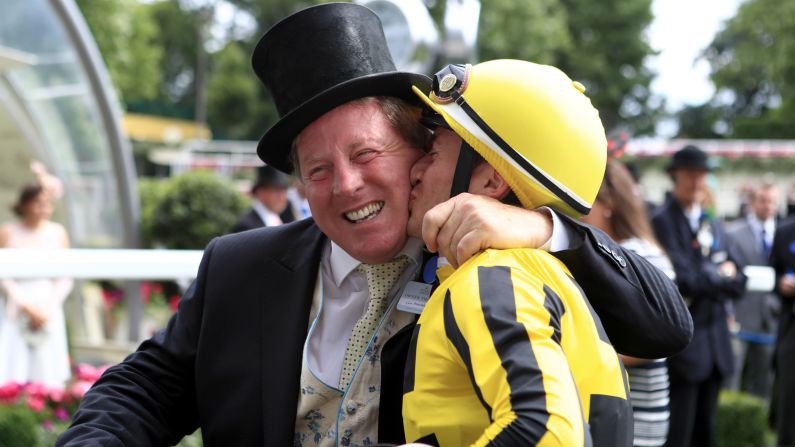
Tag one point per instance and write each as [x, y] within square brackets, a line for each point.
[415, 296]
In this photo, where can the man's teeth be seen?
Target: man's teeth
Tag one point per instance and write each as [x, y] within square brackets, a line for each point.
[365, 212]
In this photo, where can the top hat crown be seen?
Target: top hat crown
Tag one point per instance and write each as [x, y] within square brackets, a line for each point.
[320, 58]
[269, 177]
[689, 157]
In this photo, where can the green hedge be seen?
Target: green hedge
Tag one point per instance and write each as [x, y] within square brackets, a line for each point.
[742, 421]
[187, 211]
[18, 427]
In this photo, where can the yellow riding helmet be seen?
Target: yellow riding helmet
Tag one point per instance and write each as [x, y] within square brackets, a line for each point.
[532, 123]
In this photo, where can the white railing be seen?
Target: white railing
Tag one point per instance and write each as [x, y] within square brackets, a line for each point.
[129, 266]
[81, 263]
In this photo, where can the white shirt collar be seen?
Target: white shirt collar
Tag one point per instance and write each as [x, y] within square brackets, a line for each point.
[693, 216]
[769, 225]
[270, 218]
[342, 263]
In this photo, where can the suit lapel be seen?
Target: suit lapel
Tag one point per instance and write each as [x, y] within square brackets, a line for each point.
[286, 286]
[750, 245]
[686, 234]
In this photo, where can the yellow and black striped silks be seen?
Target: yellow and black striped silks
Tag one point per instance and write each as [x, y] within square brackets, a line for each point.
[508, 352]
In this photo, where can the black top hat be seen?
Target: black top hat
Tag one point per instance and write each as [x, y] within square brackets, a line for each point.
[269, 177]
[320, 58]
[689, 157]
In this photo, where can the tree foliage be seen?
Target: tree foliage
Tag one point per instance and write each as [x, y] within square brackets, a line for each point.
[752, 61]
[127, 39]
[600, 44]
[233, 90]
[699, 121]
[534, 30]
[607, 54]
[178, 38]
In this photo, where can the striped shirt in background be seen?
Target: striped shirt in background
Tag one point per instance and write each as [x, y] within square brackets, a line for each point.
[648, 383]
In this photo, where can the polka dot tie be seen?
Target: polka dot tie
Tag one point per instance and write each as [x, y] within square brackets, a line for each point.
[380, 279]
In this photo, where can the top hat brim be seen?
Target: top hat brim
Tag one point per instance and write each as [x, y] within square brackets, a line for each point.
[672, 166]
[275, 145]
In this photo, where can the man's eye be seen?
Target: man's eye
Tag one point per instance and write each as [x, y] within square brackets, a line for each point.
[317, 173]
[365, 154]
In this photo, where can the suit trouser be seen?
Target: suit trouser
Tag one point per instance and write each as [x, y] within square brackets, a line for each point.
[753, 369]
[785, 408]
[693, 408]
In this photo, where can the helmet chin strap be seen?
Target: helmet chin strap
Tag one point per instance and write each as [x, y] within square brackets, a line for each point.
[463, 169]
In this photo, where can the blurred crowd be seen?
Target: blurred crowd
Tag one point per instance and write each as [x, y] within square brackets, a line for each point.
[736, 276]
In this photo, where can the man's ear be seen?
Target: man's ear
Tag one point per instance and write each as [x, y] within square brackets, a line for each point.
[487, 182]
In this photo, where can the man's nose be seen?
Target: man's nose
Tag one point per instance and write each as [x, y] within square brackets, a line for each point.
[347, 179]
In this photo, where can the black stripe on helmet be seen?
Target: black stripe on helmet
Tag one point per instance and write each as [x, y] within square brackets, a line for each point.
[567, 198]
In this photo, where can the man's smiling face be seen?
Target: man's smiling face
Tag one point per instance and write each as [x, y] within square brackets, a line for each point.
[355, 169]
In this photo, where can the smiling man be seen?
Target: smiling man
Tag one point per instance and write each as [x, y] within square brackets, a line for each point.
[507, 351]
[292, 335]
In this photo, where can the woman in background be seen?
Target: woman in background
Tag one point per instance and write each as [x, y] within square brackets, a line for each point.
[619, 210]
[32, 331]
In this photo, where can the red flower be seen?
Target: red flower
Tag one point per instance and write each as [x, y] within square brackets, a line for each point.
[61, 414]
[79, 389]
[57, 395]
[88, 373]
[9, 392]
[35, 403]
[174, 302]
[157, 288]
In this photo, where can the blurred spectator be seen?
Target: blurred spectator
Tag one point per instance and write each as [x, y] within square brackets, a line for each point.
[32, 331]
[791, 201]
[268, 201]
[298, 203]
[756, 313]
[620, 212]
[745, 196]
[782, 258]
[707, 277]
[634, 171]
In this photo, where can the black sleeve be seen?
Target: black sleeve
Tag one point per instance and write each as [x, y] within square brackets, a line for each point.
[778, 253]
[148, 399]
[640, 308]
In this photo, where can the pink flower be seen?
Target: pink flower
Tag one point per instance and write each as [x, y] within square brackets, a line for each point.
[61, 414]
[146, 292]
[88, 373]
[79, 389]
[157, 288]
[9, 392]
[57, 395]
[48, 425]
[174, 302]
[111, 297]
[38, 390]
[35, 403]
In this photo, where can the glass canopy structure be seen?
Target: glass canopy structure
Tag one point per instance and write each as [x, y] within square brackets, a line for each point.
[57, 106]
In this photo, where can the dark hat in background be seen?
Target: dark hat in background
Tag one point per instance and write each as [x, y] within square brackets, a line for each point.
[320, 58]
[269, 177]
[689, 157]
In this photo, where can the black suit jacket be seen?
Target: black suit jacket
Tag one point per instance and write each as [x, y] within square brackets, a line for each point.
[782, 259]
[707, 291]
[230, 359]
[251, 220]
